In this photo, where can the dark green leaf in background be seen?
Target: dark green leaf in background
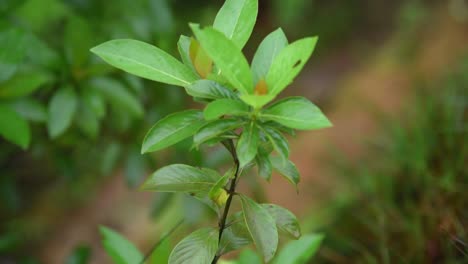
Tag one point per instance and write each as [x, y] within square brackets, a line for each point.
[13, 47]
[30, 109]
[62, 108]
[23, 84]
[199, 247]
[78, 39]
[299, 251]
[13, 127]
[119, 248]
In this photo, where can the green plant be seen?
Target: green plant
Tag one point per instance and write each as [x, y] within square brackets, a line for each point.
[216, 73]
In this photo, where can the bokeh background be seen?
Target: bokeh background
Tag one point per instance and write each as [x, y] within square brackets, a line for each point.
[387, 184]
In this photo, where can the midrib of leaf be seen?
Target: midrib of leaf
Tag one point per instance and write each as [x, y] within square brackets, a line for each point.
[147, 66]
[236, 24]
[282, 117]
[177, 130]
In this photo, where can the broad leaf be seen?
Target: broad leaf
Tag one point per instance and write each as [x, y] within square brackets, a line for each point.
[235, 235]
[223, 107]
[209, 90]
[62, 108]
[236, 19]
[199, 247]
[172, 129]
[227, 57]
[261, 226]
[13, 127]
[289, 62]
[264, 165]
[13, 47]
[23, 84]
[161, 254]
[267, 51]
[214, 129]
[118, 96]
[181, 178]
[257, 101]
[285, 220]
[145, 60]
[248, 144]
[297, 113]
[286, 169]
[278, 141]
[299, 251]
[119, 248]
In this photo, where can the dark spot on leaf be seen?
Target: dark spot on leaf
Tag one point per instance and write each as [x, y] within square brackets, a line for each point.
[297, 63]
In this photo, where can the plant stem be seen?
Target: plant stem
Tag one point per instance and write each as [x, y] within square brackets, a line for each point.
[232, 189]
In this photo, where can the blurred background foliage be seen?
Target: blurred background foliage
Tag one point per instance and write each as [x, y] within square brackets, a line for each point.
[403, 201]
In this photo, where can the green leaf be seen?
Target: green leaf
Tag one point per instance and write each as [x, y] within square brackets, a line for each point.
[227, 57]
[214, 129]
[299, 251]
[145, 60]
[286, 169]
[13, 47]
[183, 46]
[87, 120]
[285, 220]
[261, 226]
[62, 108]
[161, 254]
[264, 164]
[289, 62]
[248, 144]
[200, 59]
[257, 101]
[78, 39]
[172, 129]
[94, 100]
[23, 84]
[249, 256]
[279, 142]
[297, 113]
[30, 109]
[80, 255]
[217, 193]
[118, 96]
[236, 19]
[13, 127]
[199, 247]
[181, 178]
[119, 249]
[267, 51]
[235, 235]
[223, 107]
[210, 90]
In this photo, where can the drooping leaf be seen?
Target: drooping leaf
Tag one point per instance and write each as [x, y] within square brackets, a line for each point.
[236, 19]
[210, 90]
[267, 51]
[286, 169]
[223, 107]
[261, 226]
[227, 56]
[285, 220]
[118, 96]
[264, 166]
[23, 84]
[145, 60]
[200, 59]
[181, 178]
[13, 127]
[297, 113]
[62, 109]
[257, 101]
[299, 251]
[215, 129]
[278, 141]
[172, 129]
[235, 235]
[119, 248]
[248, 144]
[199, 247]
[30, 109]
[289, 62]
[13, 47]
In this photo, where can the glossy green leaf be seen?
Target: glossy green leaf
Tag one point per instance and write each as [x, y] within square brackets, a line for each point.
[285, 220]
[286, 169]
[235, 235]
[172, 129]
[119, 248]
[297, 113]
[257, 101]
[278, 141]
[13, 47]
[181, 178]
[236, 19]
[62, 109]
[248, 144]
[264, 166]
[210, 90]
[215, 129]
[267, 51]
[118, 96]
[13, 127]
[30, 109]
[145, 60]
[261, 226]
[227, 57]
[199, 247]
[289, 62]
[23, 84]
[299, 251]
[222, 107]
